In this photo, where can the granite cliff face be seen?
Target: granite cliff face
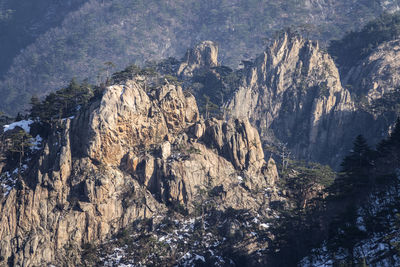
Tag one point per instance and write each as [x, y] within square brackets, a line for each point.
[293, 94]
[376, 75]
[202, 57]
[129, 155]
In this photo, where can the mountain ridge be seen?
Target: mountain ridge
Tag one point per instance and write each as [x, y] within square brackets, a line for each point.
[103, 32]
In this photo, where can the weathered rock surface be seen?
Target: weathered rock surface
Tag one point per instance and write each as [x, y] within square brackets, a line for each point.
[378, 73]
[74, 202]
[126, 157]
[293, 94]
[201, 57]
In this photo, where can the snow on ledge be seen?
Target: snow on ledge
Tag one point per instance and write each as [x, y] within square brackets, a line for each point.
[24, 124]
[36, 142]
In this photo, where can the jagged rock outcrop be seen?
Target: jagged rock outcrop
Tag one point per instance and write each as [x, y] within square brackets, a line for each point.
[128, 118]
[294, 96]
[127, 156]
[237, 141]
[377, 74]
[73, 202]
[292, 93]
[202, 57]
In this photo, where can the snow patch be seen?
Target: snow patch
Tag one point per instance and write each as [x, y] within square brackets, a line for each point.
[69, 118]
[198, 257]
[24, 124]
[8, 181]
[36, 142]
[361, 224]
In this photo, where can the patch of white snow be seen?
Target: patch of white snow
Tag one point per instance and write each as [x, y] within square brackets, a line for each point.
[24, 124]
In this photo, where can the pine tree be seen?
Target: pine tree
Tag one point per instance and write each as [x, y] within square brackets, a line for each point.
[309, 177]
[18, 143]
[210, 108]
[389, 148]
[344, 233]
[356, 169]
[62, 103]
[359, 159]
[36, 108]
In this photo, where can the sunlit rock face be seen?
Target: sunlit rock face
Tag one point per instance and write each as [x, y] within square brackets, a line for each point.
[293, 94]
[125, 157]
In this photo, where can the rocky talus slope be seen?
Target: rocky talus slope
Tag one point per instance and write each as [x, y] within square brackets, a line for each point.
[130, 155]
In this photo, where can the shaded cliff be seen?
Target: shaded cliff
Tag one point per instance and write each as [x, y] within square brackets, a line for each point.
[376, 75]
[294, 95]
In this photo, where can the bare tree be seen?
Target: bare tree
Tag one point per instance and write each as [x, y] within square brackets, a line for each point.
[284, 154]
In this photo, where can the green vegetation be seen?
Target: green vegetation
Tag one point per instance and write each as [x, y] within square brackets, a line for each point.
[128, 73]
[213, 87]
[356, 45]
[22, 21]
[193, 150]
[365, 171]
[63, 103]
[208, 108]
[355, 169]
[219, 83]
[345, 213]
[17, 145]
[4, 119]
[172, 79]
[306, 180]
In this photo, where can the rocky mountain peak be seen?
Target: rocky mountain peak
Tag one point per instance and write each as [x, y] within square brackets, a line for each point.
[293, 94]
[292, 56]
[138, 150]
[129, 117]
[291, 91]
[202, 56]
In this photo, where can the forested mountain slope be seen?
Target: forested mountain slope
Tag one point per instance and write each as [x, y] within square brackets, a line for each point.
[21, 22]
[133, 31]
[364, 231]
